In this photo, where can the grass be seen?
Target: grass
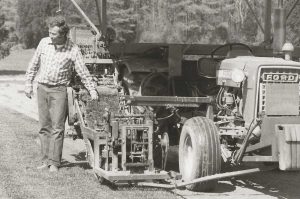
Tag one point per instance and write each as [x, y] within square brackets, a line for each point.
[19, 178]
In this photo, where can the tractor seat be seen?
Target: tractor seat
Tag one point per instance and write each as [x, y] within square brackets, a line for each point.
[207, 67]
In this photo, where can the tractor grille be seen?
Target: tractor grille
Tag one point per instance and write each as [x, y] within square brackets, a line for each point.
[279, 92]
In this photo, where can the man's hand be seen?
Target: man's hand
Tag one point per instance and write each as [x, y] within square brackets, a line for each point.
[94, 95]
[28, 92]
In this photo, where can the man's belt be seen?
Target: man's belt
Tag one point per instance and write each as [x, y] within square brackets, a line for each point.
[51, 86]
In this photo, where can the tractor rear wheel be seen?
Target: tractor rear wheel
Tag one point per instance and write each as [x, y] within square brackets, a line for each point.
[199, 152]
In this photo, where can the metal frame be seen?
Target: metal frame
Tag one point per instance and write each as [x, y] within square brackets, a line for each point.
[176, 53]
[100, 138]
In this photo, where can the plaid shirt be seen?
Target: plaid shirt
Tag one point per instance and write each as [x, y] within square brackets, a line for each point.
[55, 65]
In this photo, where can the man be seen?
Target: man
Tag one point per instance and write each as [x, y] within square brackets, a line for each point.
[54, 59]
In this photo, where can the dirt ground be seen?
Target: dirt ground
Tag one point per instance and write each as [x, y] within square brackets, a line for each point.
[271, 184]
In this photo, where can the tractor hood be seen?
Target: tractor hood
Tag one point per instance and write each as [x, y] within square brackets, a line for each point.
[250, 65]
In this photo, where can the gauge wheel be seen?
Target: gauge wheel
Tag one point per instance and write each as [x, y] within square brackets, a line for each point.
[199, 152]
[71, 106]
[89, 152]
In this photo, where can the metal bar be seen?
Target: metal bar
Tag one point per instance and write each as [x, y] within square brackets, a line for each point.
[193, 49]
[138, 164]
[98, 10]
[101, 11]
[208, 178]
[291, 10]
[96, 152]
[86, 18]
[280, 3]
[268, 21]
[103, 16]
[222, 175]
[123, 147]
[279, 30]
[127, 176]
[258, 159]
[167, 100]
[150, 145]
[256, 19]
[174, 60]
[210, 112]
[237, 158]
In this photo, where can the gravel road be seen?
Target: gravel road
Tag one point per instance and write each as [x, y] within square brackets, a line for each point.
[271, 184]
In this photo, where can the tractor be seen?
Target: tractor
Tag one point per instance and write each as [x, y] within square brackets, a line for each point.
[231, 105]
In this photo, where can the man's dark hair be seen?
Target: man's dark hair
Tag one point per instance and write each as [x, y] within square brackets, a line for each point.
[60, 22]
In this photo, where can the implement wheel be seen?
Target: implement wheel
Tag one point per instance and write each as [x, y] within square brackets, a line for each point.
[71, 106]
[199, 152]
[89, 152]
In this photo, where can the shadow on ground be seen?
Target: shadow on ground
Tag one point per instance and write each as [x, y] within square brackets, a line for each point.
[275, 183]
[80, 161]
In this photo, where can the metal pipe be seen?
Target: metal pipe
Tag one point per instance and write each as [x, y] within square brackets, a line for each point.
[268, 21]
[280, 3]
[240, 153]
[220, 176]
[86, 18]
[98, 10]
[279, 29]
[101, 10]
[207, 178]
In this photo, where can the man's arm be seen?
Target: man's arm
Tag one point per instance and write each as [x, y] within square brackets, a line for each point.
[84, 74]
[32, 70]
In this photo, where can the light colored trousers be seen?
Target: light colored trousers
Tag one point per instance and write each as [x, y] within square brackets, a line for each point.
[52, 108]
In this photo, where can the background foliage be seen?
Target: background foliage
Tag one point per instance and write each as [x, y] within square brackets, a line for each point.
[8, 37]
[171, 21]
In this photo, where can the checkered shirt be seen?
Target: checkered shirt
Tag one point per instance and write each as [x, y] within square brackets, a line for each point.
[55, 65]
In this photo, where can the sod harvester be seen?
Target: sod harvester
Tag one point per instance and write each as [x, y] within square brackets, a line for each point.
[227, 106]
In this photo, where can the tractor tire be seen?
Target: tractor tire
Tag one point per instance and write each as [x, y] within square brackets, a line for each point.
[199, 152]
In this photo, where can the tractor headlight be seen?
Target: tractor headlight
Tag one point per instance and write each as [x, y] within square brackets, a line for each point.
[232, 78]
[237, 75]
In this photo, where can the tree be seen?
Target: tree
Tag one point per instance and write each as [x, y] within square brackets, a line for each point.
[32, 20]
[4, 32]
[293, 24]
[122, 17]
[160, 21]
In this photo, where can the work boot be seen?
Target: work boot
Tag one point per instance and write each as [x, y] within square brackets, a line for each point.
[53, 168]
[43, 166]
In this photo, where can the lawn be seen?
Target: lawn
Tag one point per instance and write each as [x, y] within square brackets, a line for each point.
[19, 178]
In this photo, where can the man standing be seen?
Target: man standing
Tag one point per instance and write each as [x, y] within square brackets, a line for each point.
[54, 59]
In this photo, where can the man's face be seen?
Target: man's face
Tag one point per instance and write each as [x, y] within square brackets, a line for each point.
[55, 36]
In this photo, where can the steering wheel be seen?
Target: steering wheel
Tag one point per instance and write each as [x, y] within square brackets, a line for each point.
[230, 45]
